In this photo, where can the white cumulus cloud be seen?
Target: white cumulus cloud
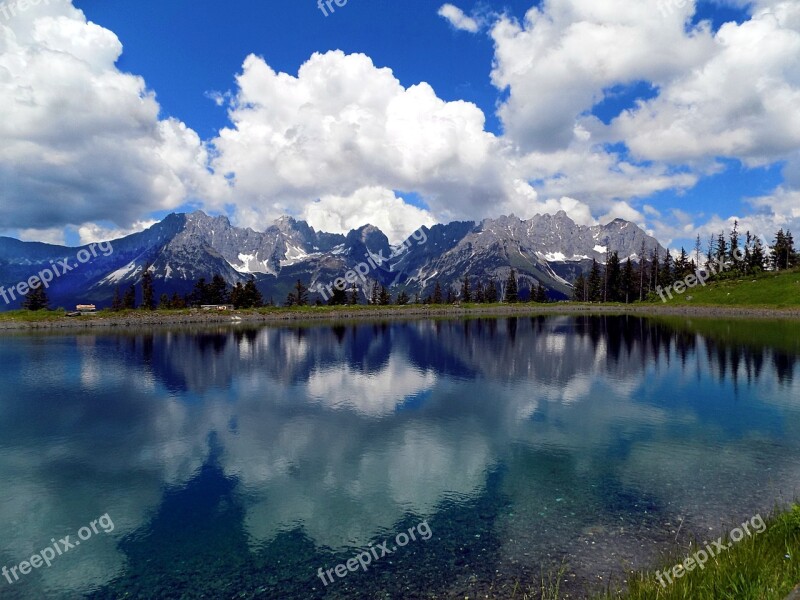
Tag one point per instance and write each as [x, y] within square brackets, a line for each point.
[458, 19]
[372, 205]
[84, 144]
[343, 124]
[80, 140]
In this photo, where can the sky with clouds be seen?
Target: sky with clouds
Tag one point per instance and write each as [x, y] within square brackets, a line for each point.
[680, 115]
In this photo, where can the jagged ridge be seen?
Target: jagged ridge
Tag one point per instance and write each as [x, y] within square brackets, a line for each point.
[551, 249]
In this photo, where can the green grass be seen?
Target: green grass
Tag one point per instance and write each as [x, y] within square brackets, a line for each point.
[43, 315]
[762, 567]
[768, 290]
[772, 290]
[32, 316]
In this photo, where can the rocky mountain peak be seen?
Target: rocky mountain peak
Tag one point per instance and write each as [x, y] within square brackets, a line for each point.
[551, 249]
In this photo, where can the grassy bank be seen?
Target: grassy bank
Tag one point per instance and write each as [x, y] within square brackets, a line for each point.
[769, 296]
[767, 291]
[22, 320]
[26, 316]
[762, 567]
[774, 290]
[765, 566]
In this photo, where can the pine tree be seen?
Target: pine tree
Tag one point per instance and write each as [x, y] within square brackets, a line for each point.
[733, 247]
[791, 252]
[613, 278]
[437, 294]
[480, 294]
[36, 299]
[375, 296]
[541, 293]
[642, 270]
[402, 298]
[353, 300]
[655, 266]
[491, 292]
[627, 289]
[129, 299]
[722, 248]
[758, 257]
[116, 303]
[451, 297]
[199, 294]
[148, 292]
[237, 295]
[177, 302]
[748, 253]
[512, 287]
[252, 295]
[338, 298]
[579, 293]
[595, 284]
[776, 250]
[666, 275]
[384, 297]
[466, 290]
[682, 265]
[783, 254]
[644, 278]
[711, 250]
[163, 302]
[301, 293]
[218, 291]
[697, 247]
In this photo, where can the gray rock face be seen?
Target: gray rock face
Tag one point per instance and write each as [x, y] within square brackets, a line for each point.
[551, 249]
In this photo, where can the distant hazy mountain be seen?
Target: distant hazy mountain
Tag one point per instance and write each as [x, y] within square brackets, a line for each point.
[551, 249]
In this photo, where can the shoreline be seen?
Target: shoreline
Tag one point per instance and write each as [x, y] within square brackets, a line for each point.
[329, 314]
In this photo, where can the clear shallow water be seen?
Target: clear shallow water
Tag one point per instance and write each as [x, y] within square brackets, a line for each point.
[236, 462]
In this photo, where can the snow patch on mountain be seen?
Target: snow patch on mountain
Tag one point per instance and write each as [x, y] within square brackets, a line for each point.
[121, 274]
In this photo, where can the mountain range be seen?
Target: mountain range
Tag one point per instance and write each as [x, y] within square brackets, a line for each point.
[550, 249]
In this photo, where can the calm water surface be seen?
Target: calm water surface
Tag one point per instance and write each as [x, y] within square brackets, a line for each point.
[236, 462]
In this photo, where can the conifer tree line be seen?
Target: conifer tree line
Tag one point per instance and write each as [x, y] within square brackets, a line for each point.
[472, 290]
[613, 282]
[629, 282]
[36, 299]
[217, 291]
[468, 290]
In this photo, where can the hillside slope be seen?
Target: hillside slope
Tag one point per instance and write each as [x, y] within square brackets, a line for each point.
[776, 290]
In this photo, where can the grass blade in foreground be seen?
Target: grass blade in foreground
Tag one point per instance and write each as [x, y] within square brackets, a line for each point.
[764, 567]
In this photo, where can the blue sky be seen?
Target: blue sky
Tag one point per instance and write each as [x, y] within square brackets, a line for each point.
[637, 109]
[178, 46]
